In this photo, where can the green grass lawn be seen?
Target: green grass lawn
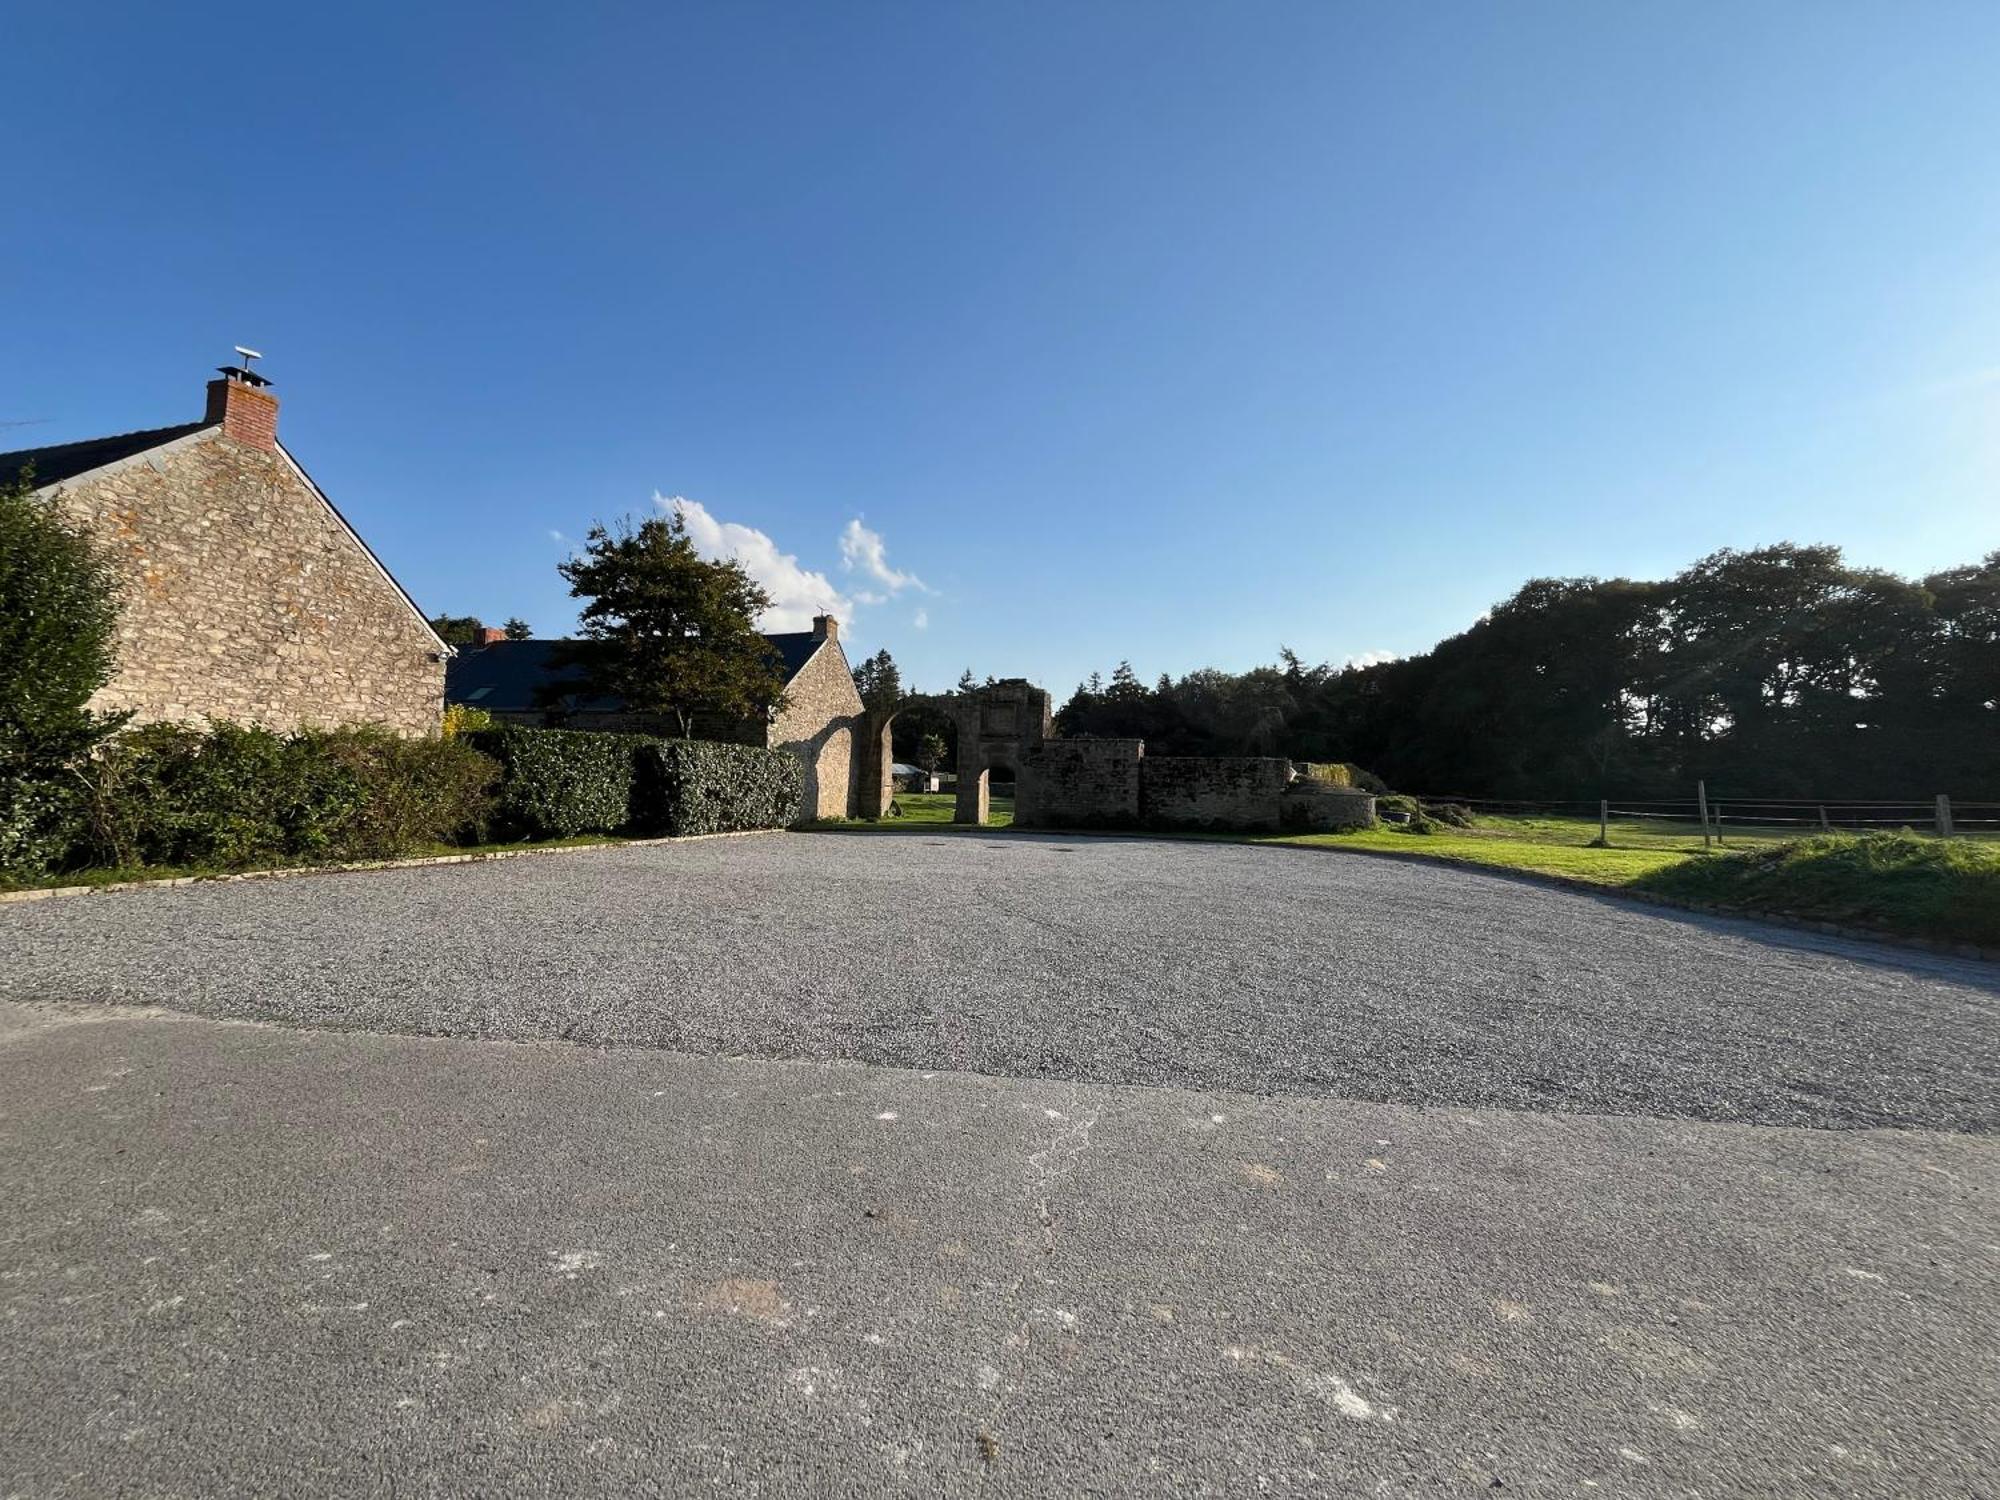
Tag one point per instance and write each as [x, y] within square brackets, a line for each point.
[1543, 846]
[928, 811]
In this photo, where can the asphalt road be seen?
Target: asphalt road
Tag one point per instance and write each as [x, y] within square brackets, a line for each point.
[1060, 1254]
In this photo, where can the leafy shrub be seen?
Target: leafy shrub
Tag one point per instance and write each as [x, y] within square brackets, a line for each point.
[557, 783]
[58, 612]
[41, 815]
[1451, 814]
[414, 792]
[701, 786]
[172, 794]
[464, 718]
[1905, 882]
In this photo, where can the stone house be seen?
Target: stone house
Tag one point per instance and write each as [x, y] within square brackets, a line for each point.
[245, 594]
[821, 723]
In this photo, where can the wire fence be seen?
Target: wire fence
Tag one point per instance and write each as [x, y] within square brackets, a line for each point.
[1704, 821]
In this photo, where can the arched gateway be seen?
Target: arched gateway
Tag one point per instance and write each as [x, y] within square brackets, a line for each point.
[997, 726]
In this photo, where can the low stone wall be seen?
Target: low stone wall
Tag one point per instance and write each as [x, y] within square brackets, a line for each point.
[1314, 807]
[1234, 792]
[1079, 784]
[1090, 783]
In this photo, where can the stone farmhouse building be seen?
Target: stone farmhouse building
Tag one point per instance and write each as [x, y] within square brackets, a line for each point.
[822, 722]
[246, 595]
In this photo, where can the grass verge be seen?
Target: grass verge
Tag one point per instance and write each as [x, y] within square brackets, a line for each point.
[1947, 890]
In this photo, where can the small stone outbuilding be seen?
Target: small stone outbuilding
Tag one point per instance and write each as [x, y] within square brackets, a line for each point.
[822, 722]
[246, 595]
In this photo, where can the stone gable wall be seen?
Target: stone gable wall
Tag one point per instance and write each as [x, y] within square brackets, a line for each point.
[245, 598]
[820, 725]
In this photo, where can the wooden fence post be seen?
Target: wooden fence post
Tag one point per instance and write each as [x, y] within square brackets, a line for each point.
[1825, 826]
[1944, 816]
[1701, 795]
[1604, 822]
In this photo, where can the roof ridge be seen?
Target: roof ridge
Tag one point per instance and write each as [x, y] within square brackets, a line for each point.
[164, 434]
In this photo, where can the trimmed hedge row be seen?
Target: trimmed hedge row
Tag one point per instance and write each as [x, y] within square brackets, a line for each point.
[227, 796]
[561, 782]
[700, 786]
[557, 783]
[171, 794]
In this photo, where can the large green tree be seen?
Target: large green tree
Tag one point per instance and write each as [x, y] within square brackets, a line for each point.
[58, 619]
[668, 631]
[879, 682]
[457, 630]
[1781, 672]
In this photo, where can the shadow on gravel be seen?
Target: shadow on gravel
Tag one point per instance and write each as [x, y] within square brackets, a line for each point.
[1884, 953]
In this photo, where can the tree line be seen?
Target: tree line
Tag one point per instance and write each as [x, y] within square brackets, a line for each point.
[1783, 671]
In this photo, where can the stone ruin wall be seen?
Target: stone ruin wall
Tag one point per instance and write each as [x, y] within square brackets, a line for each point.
[1079, 784]
[1092, 783]
[1114, 783]
[1235, 792]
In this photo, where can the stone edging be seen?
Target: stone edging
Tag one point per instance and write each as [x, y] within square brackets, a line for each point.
[288, 872]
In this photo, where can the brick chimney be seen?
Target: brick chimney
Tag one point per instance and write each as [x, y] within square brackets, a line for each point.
[826, 628]
[490, 635]
[242, 402]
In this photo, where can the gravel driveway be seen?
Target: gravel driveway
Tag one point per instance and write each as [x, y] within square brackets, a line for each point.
[1206, 966]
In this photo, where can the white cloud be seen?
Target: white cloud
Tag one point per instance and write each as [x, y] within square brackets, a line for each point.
[1371, 658]
[556, 536]
[797, 594]
[863, 549]
[921, 619]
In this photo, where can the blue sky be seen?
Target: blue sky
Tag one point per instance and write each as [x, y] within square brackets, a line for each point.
[1169, 332]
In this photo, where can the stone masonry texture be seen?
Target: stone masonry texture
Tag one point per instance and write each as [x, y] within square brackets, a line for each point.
[997, 726]
[1113, 783]
[820, 721]
[1080, 784]
[246, 598]
[1182, 791]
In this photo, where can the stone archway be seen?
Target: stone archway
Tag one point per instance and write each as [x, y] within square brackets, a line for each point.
[997, 726]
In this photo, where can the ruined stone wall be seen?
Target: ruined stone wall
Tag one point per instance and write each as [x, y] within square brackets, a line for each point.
[997, 726]
[1079, 784]
[820, 725]
[1314, 807]
[1237, 792]
[246, 598]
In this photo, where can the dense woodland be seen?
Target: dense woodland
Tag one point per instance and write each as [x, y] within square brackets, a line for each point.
[1779, 672]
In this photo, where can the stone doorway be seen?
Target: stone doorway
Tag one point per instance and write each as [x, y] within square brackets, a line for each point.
[997, 725]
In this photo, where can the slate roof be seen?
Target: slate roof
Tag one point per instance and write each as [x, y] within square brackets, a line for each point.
[63, 461]
[508, 676]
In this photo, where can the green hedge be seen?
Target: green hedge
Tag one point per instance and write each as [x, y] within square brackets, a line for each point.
[561, 782]
[172, 794]
[703, 786]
